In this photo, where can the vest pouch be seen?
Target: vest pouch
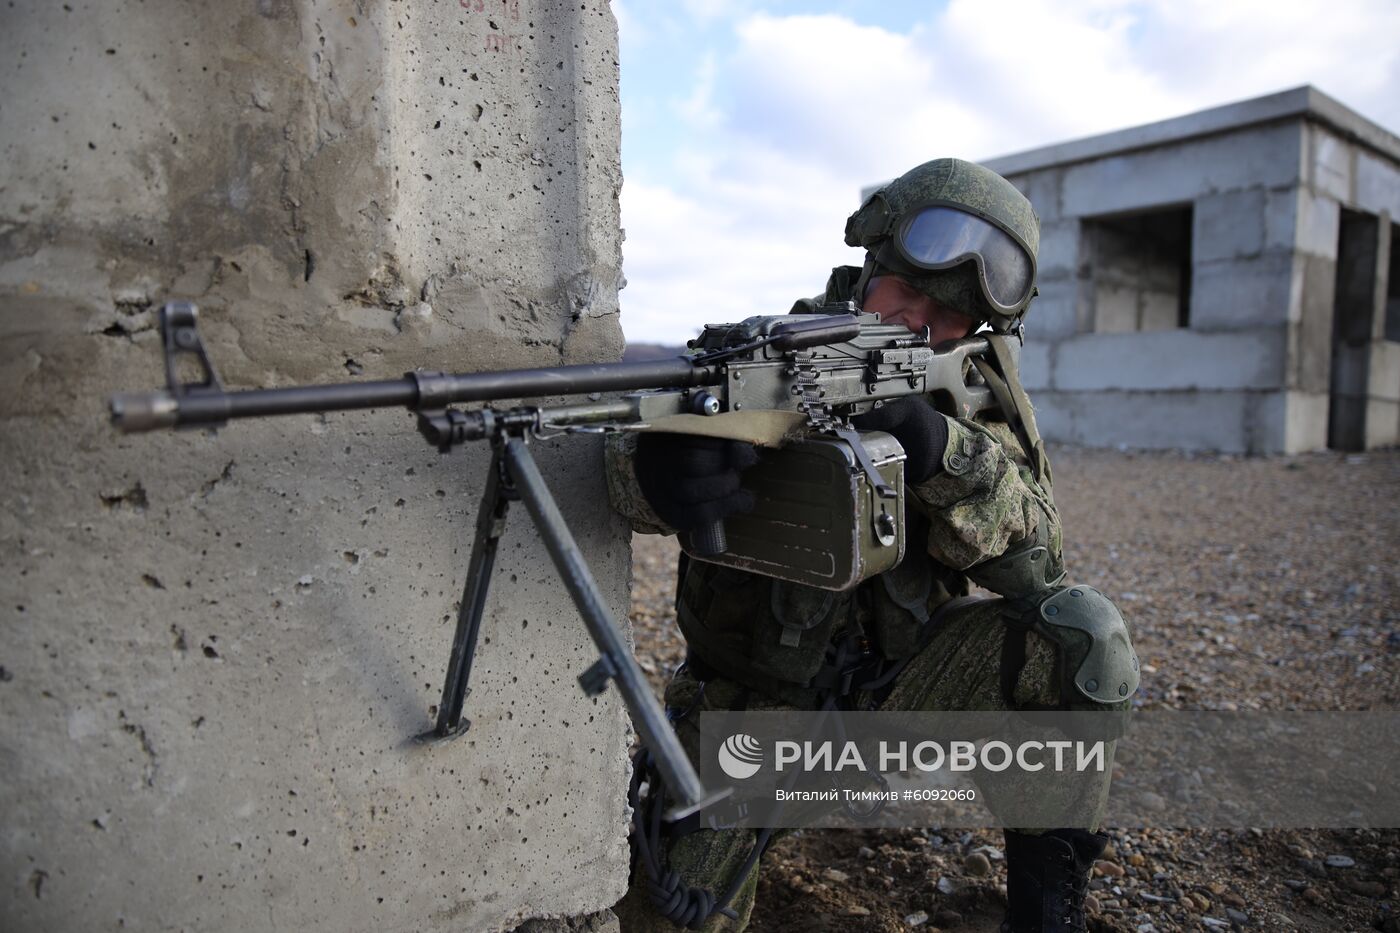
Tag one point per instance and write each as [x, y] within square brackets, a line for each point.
[900, 599]
[756, 629]
[900, 606]
[790, 639]
[715, 608]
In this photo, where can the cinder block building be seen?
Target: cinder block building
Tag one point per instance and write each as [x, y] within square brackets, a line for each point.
[1224, 280]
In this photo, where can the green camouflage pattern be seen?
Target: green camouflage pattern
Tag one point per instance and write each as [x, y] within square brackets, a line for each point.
[981, 502]
[984, 499]
[959, 670]
[705, 858]
[624, 489]
[951, 181]
[965, 185]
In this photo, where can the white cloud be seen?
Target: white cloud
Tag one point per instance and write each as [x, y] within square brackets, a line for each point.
[699, 108]
[861, 99]
[1220, 52]
[706, 10]
[733, 248]
[1043, 73]
[780, 127]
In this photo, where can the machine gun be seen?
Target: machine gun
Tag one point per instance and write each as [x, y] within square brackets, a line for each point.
[769, 380]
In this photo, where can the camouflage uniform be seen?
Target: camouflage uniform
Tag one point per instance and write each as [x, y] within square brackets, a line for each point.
[984, 500]
[964, 241]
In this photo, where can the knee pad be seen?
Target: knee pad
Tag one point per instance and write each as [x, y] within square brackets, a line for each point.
[1095, 669]
[1099, 665]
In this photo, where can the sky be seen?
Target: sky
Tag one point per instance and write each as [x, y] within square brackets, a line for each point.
[749, 128]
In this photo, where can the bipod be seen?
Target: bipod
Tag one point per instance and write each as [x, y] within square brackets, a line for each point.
[513, 476]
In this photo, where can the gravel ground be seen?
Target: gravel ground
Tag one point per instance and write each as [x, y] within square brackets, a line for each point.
[1264, 583]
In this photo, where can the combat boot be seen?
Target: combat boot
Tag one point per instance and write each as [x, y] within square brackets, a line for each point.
[1047, 878]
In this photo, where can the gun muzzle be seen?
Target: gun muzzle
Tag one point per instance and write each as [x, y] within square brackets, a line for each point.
[133, 412]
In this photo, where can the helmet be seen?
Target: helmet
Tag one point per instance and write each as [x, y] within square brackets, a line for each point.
[959, 233]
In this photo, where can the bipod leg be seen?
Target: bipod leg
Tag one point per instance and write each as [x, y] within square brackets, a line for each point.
[616, 662]
[490, 524]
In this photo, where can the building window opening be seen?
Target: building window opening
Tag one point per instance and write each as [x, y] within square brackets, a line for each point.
[1135, 271]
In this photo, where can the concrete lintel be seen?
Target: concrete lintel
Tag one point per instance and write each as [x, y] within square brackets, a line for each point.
[1317, 218]
[1233, 294]
[1229, 225]
[1173, 176]
[1377, 186]
[1330, 163]
[1304, 102]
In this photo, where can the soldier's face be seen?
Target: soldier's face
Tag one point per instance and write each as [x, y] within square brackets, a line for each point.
[898, 302]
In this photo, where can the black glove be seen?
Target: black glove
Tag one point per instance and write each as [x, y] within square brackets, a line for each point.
[920, 430]
[692, 481]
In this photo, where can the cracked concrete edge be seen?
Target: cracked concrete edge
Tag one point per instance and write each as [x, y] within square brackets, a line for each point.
[604, 921]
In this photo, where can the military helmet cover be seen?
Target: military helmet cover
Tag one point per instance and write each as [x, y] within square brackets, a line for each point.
[958, 232]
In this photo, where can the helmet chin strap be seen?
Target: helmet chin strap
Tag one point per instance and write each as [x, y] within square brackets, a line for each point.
[867, 272]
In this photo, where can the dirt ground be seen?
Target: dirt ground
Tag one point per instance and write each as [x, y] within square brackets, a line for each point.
[1263, 583]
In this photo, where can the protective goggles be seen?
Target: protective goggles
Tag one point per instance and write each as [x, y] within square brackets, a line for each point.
[940, 237]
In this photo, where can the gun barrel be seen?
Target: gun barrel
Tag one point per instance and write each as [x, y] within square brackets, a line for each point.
[135, 412]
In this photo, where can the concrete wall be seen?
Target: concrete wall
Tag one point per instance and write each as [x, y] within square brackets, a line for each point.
[1266, 181]
[216, 648]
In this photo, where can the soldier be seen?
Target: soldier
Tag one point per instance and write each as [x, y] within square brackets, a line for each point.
[949, 246]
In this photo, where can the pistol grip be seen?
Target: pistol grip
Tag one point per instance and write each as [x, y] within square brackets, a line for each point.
[709, 540]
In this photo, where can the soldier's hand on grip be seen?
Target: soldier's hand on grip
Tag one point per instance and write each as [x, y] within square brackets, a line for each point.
[692, 481]
[920, 430]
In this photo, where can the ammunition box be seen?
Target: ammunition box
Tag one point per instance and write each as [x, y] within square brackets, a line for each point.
[817, 520]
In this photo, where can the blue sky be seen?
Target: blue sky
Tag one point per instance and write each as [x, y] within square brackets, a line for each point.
[748, 128]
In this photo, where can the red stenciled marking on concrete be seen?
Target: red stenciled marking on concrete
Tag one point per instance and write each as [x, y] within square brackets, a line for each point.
[509, 8]
[503, 42]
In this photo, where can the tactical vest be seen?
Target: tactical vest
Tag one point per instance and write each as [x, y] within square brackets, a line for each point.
[772, 635]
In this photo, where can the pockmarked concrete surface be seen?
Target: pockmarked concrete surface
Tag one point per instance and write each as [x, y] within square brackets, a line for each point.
[216, 649]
